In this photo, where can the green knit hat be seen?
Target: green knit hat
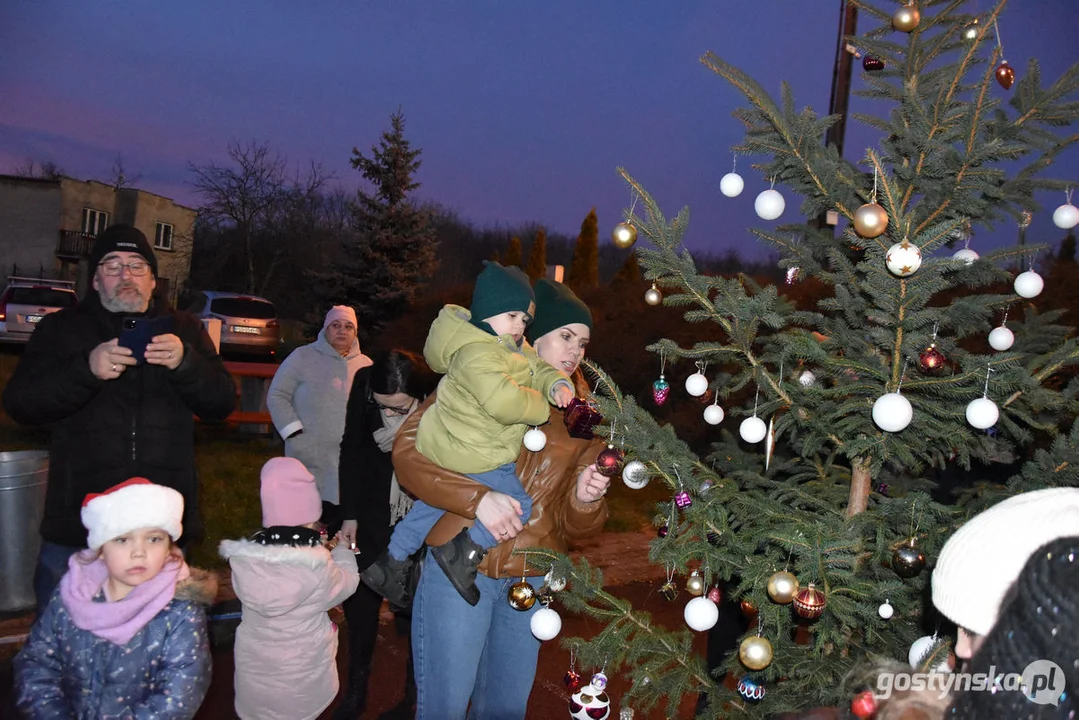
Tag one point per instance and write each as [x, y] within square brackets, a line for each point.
[556, 305]
[501, 289]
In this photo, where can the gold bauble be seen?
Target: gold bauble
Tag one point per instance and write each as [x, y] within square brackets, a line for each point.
[624, 235]
[782, 586]
[695, 584]
[870, 220]
[755, 652]
[521, 595]
[906, 18]
[653, 296]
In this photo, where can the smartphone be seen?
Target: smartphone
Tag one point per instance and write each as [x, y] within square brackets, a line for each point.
[138, 332]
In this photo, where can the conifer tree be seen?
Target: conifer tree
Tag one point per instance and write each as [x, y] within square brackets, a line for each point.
[537, 257]
[584, 268]
[809, 475]
[513, 253]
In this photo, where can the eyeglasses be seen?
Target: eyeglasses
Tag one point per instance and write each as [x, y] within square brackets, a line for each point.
[395, 410]
[112, 268]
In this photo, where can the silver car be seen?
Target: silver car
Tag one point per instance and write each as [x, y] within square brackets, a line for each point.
[248, 323]
[26, 300]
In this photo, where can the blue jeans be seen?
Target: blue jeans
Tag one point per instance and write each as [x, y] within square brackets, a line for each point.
[486, 654]
[411, 531]
[51, 566]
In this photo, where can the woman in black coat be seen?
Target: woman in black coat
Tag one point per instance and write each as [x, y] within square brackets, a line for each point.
[382, 397]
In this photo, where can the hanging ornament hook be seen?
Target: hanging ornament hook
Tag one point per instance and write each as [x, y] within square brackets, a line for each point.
[1000, 45]
[874, 184]
[903, 373]
[988, 371]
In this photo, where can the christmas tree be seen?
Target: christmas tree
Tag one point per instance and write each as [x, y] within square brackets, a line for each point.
[816, 503]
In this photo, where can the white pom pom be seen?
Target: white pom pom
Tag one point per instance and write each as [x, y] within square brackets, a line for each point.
[1066, 216]
[966, 255]
[769, 204]
[696, 384]
[982, 413]
[731, 185]
[1028, 284]
[701, 614]
[545, 624]
[1001, 338]
[752, 429]
[713, 414]
[892, 412]
[535, 440]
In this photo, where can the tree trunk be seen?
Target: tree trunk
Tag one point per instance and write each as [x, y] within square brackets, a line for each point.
[860, 485]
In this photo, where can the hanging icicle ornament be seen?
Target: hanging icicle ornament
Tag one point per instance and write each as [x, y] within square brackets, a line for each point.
[1066, 216]
[535, 439]
[732, 183]
[906, 18]
[713, 414]
[870, 220]
[697, 383]
[653, 296]
[903, 259]
[1001, 338]
[1004, 73]
[983, 413]
[769, 205]
[635, 475]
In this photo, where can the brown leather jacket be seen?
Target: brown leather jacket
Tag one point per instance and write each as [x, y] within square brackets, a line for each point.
[549, 477]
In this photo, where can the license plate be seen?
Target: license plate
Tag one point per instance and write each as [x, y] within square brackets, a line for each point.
[245, 330]
[34, 318]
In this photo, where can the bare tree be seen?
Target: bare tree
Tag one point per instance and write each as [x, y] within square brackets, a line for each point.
[118, 175]
[31, 168]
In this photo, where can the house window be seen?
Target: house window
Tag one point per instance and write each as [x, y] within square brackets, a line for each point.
[163, 236]
[94, 221]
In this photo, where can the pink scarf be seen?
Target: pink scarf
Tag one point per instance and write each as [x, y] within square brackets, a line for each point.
[116, 621]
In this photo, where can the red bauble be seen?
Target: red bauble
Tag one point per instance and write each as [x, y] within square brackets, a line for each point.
[609, 462]
[931, 359]
[871, 63]
[749, 610]
[1005, 75]
[572, 680]
[580, 417]
[715, 595]
[809, 602]
[864, 705]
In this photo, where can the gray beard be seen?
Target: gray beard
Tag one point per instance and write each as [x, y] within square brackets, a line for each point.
[135, 304]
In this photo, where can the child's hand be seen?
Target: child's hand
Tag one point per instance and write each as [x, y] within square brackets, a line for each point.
[562, 396]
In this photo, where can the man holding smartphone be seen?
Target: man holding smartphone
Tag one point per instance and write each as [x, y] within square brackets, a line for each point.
[114, 415]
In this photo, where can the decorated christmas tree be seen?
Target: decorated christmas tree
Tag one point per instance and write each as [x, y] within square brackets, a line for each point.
[814, 509]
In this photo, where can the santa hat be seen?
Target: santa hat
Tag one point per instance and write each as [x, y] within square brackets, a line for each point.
[289, 494]
[131, 505]
[340, 312]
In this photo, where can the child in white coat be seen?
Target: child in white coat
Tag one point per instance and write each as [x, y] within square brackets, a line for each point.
[286, 645]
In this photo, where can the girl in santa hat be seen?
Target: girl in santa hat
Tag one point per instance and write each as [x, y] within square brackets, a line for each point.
[125, 633]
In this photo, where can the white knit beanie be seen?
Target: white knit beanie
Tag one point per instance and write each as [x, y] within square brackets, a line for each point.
[982, 560]
[131, 505]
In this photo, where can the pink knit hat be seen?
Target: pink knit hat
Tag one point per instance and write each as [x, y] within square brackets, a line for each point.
[289, 495]
[341, 312]
[133, 504]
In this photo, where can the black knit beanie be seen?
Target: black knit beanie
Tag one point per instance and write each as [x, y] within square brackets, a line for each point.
[556, 305]
[122, 238]
[498, 290]
[1038, 629]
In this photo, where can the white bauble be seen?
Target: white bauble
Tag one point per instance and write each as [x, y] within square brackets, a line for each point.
[713, 414]
[731, 185]
[701, 614]
[886, 610]
[535, 440]
[807, 378]
[635, 475]
[903, 259]
[966, 255]
[892, 412]
[1001, 338]
[556, 583]
[769, 205]
[696, 384]
[545, 624]
[753, 429]
[1028, 284]
[919, 649]
[1066, 216]
[982, 413]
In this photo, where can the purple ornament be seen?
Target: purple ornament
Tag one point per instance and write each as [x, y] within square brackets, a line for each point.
[599, 681]
[580, 417]
[662, 532]
[660, 390]
[683, 500]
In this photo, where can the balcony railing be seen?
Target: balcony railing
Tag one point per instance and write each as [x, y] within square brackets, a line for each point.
[74, 245]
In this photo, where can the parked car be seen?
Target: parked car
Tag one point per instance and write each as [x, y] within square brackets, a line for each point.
[248, 323]
[26, 300]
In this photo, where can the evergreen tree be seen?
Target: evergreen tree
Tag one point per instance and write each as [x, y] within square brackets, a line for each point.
[380, 269]
[537, 257]
[513, 253]
[629, 273]
[584, 268]
[798, 494]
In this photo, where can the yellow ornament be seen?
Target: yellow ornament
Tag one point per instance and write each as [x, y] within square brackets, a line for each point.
[782, 586]
[521, 595]
[870, 220]
[755, 652]
[653, 296]
[906, 18]
[624, 235]
[695, 584]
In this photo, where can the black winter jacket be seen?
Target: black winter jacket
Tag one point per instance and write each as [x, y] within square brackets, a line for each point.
[103, 432]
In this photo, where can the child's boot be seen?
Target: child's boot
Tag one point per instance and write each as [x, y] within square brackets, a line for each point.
[459, 559]
[389, 578]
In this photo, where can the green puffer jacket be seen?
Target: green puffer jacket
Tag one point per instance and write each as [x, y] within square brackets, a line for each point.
[492, 391]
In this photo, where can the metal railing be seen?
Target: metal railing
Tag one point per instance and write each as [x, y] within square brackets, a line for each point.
[74, 244]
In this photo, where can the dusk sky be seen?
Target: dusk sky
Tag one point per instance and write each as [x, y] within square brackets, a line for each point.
[523, 110]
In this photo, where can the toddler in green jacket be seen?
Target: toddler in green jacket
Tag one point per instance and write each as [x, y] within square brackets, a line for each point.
[494, 388]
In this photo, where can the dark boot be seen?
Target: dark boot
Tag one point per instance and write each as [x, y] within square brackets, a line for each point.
[355, 700]
[459, 559]
[389, 578]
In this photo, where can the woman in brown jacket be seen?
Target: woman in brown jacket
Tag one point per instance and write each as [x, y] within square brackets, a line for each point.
[487, 654]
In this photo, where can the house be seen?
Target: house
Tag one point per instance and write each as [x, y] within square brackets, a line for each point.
[47, 227]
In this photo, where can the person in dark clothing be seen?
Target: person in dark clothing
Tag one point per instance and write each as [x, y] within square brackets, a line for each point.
[113, 415]
[382, 398]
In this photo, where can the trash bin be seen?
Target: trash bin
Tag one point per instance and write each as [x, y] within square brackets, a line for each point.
[24, 477]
